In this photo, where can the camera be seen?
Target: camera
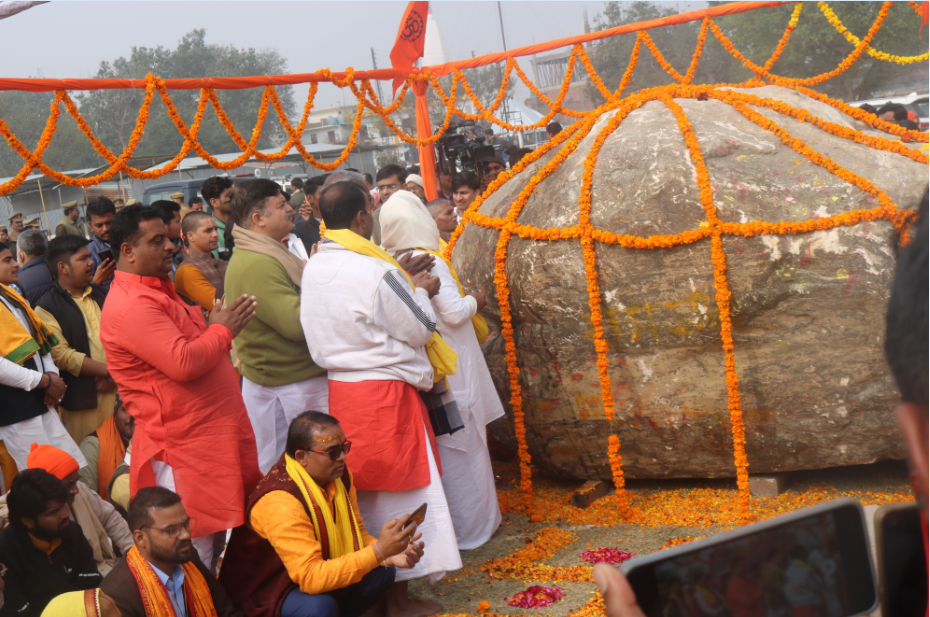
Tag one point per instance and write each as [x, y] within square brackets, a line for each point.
[463, 152]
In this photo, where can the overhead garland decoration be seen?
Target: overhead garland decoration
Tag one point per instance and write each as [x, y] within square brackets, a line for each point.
[566, 143]
[714, 229]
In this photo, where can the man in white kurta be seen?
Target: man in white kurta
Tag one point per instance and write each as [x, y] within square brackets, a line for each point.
[468, 478]
[368, 327]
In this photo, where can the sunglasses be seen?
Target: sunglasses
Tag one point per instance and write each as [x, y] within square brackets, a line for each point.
[335, 452]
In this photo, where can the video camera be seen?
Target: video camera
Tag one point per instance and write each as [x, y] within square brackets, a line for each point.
[462, 152]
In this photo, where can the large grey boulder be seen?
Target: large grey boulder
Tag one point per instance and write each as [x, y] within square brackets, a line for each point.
[808, 309]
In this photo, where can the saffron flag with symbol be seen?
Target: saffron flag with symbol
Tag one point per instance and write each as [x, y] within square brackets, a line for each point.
[411, 37]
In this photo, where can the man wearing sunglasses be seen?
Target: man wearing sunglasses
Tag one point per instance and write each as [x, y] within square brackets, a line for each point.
[162, 568]
[304, 550]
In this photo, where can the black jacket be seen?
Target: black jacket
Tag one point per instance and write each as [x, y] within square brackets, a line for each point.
[35, 279]
[309, 233]
[34, 578]
[17, 404]
[82, 391]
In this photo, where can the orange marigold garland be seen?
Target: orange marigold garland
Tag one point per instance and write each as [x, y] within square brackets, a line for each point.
[568, 142]
[723, 296]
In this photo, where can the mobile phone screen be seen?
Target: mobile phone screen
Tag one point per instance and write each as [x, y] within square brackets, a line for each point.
[817, 566]
[903, 564]
[105, 255]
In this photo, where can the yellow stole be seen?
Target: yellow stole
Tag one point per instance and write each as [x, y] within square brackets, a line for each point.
[480, 325]
[343, 534]
[16, 344]
[155, 595]
[441, 356]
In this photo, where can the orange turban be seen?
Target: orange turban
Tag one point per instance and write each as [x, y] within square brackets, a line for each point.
[57, 462]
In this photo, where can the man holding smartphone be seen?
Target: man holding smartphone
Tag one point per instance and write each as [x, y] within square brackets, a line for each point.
[100, 213]
[285, 562]
[906, 347]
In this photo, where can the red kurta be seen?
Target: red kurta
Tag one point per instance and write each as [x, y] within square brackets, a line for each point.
[176, 378]
[384, 420]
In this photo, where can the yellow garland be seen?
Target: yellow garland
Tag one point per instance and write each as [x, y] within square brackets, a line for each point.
[852, 38]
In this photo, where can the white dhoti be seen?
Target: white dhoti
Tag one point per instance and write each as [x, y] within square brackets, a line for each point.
[44, 429]
[468, 480]
[272, 408]
[441, 552]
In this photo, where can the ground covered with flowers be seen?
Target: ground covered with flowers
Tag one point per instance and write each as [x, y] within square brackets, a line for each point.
[544, 564]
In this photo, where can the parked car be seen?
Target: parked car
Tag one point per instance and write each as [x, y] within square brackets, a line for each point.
[917, 103]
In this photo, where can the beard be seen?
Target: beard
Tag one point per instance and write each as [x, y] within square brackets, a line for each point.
[173, 554]
[44, 533]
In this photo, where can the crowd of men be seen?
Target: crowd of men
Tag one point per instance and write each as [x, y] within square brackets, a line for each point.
[281, 381]
[252, 390]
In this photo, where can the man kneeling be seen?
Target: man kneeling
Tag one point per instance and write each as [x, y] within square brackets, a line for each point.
[304, 551]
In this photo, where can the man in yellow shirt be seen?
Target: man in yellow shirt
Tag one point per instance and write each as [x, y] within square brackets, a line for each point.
[304, 549]
[71, 308]
[200, 277]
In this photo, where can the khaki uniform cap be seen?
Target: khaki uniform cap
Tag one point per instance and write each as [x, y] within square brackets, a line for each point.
[16, 216]
[32, 222]
[177, 195]
[133, 202]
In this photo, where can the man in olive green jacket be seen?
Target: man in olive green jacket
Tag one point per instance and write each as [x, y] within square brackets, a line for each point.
[280, 379]
[69, 224]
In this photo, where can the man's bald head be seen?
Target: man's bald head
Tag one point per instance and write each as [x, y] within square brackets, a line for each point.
[341, 202]
[344, 175]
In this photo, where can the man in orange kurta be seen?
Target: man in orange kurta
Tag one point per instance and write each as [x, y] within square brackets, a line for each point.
[173, 370]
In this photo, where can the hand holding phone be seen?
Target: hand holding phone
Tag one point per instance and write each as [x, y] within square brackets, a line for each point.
[814, 561]
[105, 269]
[398, 533]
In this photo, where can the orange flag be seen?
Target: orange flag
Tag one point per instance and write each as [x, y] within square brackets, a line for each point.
[411, 36]
[925, 14]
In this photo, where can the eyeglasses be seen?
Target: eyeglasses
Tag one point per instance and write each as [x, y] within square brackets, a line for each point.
[173, 531]
[335, 452]
[387, 187]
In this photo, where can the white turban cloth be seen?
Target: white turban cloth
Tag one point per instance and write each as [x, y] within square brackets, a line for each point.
[406, 224]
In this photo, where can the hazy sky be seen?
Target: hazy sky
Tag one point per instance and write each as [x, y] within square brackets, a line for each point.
[70, 38]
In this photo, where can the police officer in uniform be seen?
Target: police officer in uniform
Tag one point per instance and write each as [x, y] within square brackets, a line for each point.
[69, 224]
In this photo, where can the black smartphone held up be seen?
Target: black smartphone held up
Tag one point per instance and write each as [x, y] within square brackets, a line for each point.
[902, 565]
[105, 255]
[813, 562]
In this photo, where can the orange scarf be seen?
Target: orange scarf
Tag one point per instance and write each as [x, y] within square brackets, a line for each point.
[112, 453]
[155, 596]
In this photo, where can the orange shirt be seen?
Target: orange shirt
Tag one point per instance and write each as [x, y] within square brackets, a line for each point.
[282, 520]
[191, 283]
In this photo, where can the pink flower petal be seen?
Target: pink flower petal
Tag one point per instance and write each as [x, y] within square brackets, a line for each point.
[606, 555]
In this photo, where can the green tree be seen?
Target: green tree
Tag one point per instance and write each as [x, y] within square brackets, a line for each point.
[26, 113]
[816, 47]
[112, 113]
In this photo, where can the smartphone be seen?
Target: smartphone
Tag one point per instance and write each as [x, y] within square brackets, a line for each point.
[105, 255]
[814, 561]
[418, 516]
[902, 565]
